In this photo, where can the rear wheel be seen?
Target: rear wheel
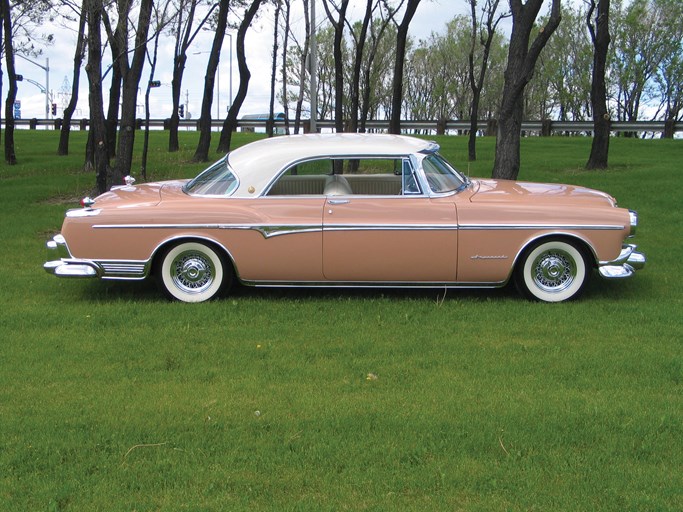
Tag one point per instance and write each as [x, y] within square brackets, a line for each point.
[193, 272]
[552, 271]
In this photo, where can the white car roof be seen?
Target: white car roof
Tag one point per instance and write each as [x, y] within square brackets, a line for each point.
[256, 164]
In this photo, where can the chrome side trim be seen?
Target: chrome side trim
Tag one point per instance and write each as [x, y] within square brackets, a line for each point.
[572, 227]
[269, 231]
[391, 227]
[266, 230]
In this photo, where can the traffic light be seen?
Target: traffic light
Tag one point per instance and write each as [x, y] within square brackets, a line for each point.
[20, 78]
[54, 109]
[155, 83]
[181, 110]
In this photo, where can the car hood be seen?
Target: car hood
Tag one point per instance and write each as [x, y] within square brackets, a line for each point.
[551, 193]
[129, 196]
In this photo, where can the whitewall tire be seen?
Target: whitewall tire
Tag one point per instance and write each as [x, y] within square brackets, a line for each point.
[552, 271]
[193, 272]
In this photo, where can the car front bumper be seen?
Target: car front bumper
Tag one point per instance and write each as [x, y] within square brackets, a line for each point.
[625, 265]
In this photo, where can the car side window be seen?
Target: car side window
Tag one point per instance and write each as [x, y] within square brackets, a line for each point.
[303, 179]
[350, 176]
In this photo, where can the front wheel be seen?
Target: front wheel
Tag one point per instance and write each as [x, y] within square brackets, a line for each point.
[552, 271]
[193, 272]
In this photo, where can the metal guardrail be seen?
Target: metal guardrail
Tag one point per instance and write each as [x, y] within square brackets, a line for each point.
[543, 127]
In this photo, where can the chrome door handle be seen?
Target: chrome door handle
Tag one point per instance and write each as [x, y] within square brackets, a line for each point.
[338, 201]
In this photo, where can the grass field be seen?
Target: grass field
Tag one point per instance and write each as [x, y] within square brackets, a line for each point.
[113, 399]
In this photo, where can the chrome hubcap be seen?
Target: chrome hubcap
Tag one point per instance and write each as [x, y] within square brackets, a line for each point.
[192, 272]
[554, 271]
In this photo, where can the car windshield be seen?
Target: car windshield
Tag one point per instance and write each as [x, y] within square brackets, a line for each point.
[217, 180]
[442, 176]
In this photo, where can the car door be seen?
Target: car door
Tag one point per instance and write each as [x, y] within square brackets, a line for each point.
[404, 238]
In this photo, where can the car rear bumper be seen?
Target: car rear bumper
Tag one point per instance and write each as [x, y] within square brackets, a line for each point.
[625, 265]
[61, 263]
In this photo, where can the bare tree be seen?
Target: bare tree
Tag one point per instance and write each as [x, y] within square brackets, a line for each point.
[161, 20]
[230, 123]
[131, 73]
[484, 38]
[184, 33]
[302, 70]
[79, 54]
[18, 22]
[377, 32]
[401, 39]
[271, 113]
[522, 58]
[98, 130]
[118, 43]
[338, 25]
[285, 42]
[599, 31]
[201, 154]
[359, 40]
[10, 156]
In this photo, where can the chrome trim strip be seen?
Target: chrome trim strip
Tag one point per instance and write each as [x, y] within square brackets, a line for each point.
[269, 231]
[573, 227]
[266, 231]
[391, 227]
[370, 284]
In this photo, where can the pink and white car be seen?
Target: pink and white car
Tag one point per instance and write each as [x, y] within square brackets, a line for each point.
[351, 210]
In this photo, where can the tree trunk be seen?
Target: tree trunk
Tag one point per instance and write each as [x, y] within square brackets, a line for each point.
[338, 62]
[285, 42]
[230, 123]
[63, 148]
[357, 66]
[601, 123]
[201, 154]
[176, 84]
[10, 156]
[397, 90]
[118, 42]
[522, 60]
[184, 38]
[98, 130]
[271, 108]
[477, 82]
[131, 81]
[302, 73]
[153, 65]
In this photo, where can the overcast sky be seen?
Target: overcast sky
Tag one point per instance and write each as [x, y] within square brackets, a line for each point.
[431, 15]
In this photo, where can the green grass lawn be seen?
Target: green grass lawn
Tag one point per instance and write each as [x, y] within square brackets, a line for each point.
[112, 398]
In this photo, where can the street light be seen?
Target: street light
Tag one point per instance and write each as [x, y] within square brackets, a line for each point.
[46, 67]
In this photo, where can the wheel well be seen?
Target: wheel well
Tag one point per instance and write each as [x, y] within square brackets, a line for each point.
[582, 245]
[168, 244]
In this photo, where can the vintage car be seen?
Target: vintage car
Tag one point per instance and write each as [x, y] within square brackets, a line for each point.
[350, 210]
